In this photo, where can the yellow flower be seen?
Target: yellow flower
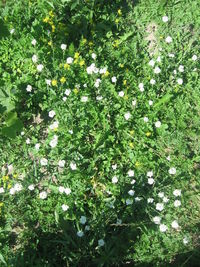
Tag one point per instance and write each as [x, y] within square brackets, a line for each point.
[84, 41]
[148, 134]
[121, 65]
[76, 55]
[1, 204]
[117, 21]
[124, 82]
[107, 73]
[76, 91]
[81, 63]
[137, 164]
[60, 65]
[75, 61]
[119, 12]
[66, 66]
[9, 186]
[15, 175]
[46, 19]
[53, 28]
[63, 80]
[5, 178]
[131, 145]
[51, 13]
[50, 43]
[54, 82]
[132, 132]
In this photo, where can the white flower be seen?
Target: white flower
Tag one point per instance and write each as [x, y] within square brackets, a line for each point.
[37, 146]
[180, 81]
[161, 194]
[94, 55]
[52, 113]
[175, 72]
[134, 103]
[68, 191]
[87, 228]
[146, 119]
[114, 79]
[133, 181]
[53, 143]
[177, 203]
[12, 31]
[63, 46]
[92, 69]
[165, 19]
[151, 181]
[121, 93]
[160, 206]
[129, 201]
[177, 192]
[156, 219]
[83, 220]
[172, 171]
[12, 191]
[18, 187]
[114, 179]
[22, 133]
[61, 163]
[158, 59]
[168, 39]
[64, 98]
[103, 71]
[168, 158]
[131, 173]
[163, 228]
[80, 234]
[150, 200]
[99, 97]
[157, 70]
[10, 168]
[61, 189]
[152, 81]
[185, 240]
[69, 60]
[65, 207]
[84, 99]
[43, 162]
[131, 192]
[101, 242]
[175, 224]
[71, 131]
[28, 141]
[138, 199]
[33, 42]
[28, 88]
[114, 166]
[73, 166]
[48, 82]
[165, 199]
[40, 67]
[43, 195]
[31, 187]
[150, 174]
[181, 68]
[158, 124]
[194, 57]
[2, 190]
[97, 83]
[34, 58]
[127, 115]
[152, 62]
[54, 125]
[171, 55]
[67, 92]
[141, 87]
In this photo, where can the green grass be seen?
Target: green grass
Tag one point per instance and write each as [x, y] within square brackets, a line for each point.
[116, 130]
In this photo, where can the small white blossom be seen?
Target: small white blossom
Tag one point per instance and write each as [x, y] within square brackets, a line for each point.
[150, 102]
[48, 82]
[94, 55]
[87, 228]
[28, 141]
[84, 99]
[175, 72]
[80, 234]
[61, 163]
[114, 179]
[43, 195]
[158, 59]
[165, 199]
[152, 62]
[114, 79]
[131, 192]
[43, 162]
[31, 187]
[185, 240]
[156, 219]
[168, 39]
[161, 194]
[177, 192]
[53, 143]
[54, 125]
[158, 124]
[157, 70]
[150, 200]
[114, 166]
[133, 181]
[171, 55]
[175, 224]
[177, 203]
[130, 173]
[37, 146]
[163, 228]
[168, 158]
[64, 98]
[18, 187]
[181, 68]
[73, 166]
[12, 31]
[146, 119]
[65, 207]
[121, 93]
[137, 199]
[83, 220]
[68, 191]
[172, 171]
[194, 57]
[150, 174]
[151, 181]
[33, 42]
[52, 113]
[61, 189]
[12, 191]
[160, 206]
[40, 67]
[141, 87]
[63, 46]
[180, 81]
[129, 201]
[29, 88]
[152, 81]
[34, 58]
[69, 60]
[165, 19]
[134, 102]
[2, 190]
[101, 243]
[127, 115]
